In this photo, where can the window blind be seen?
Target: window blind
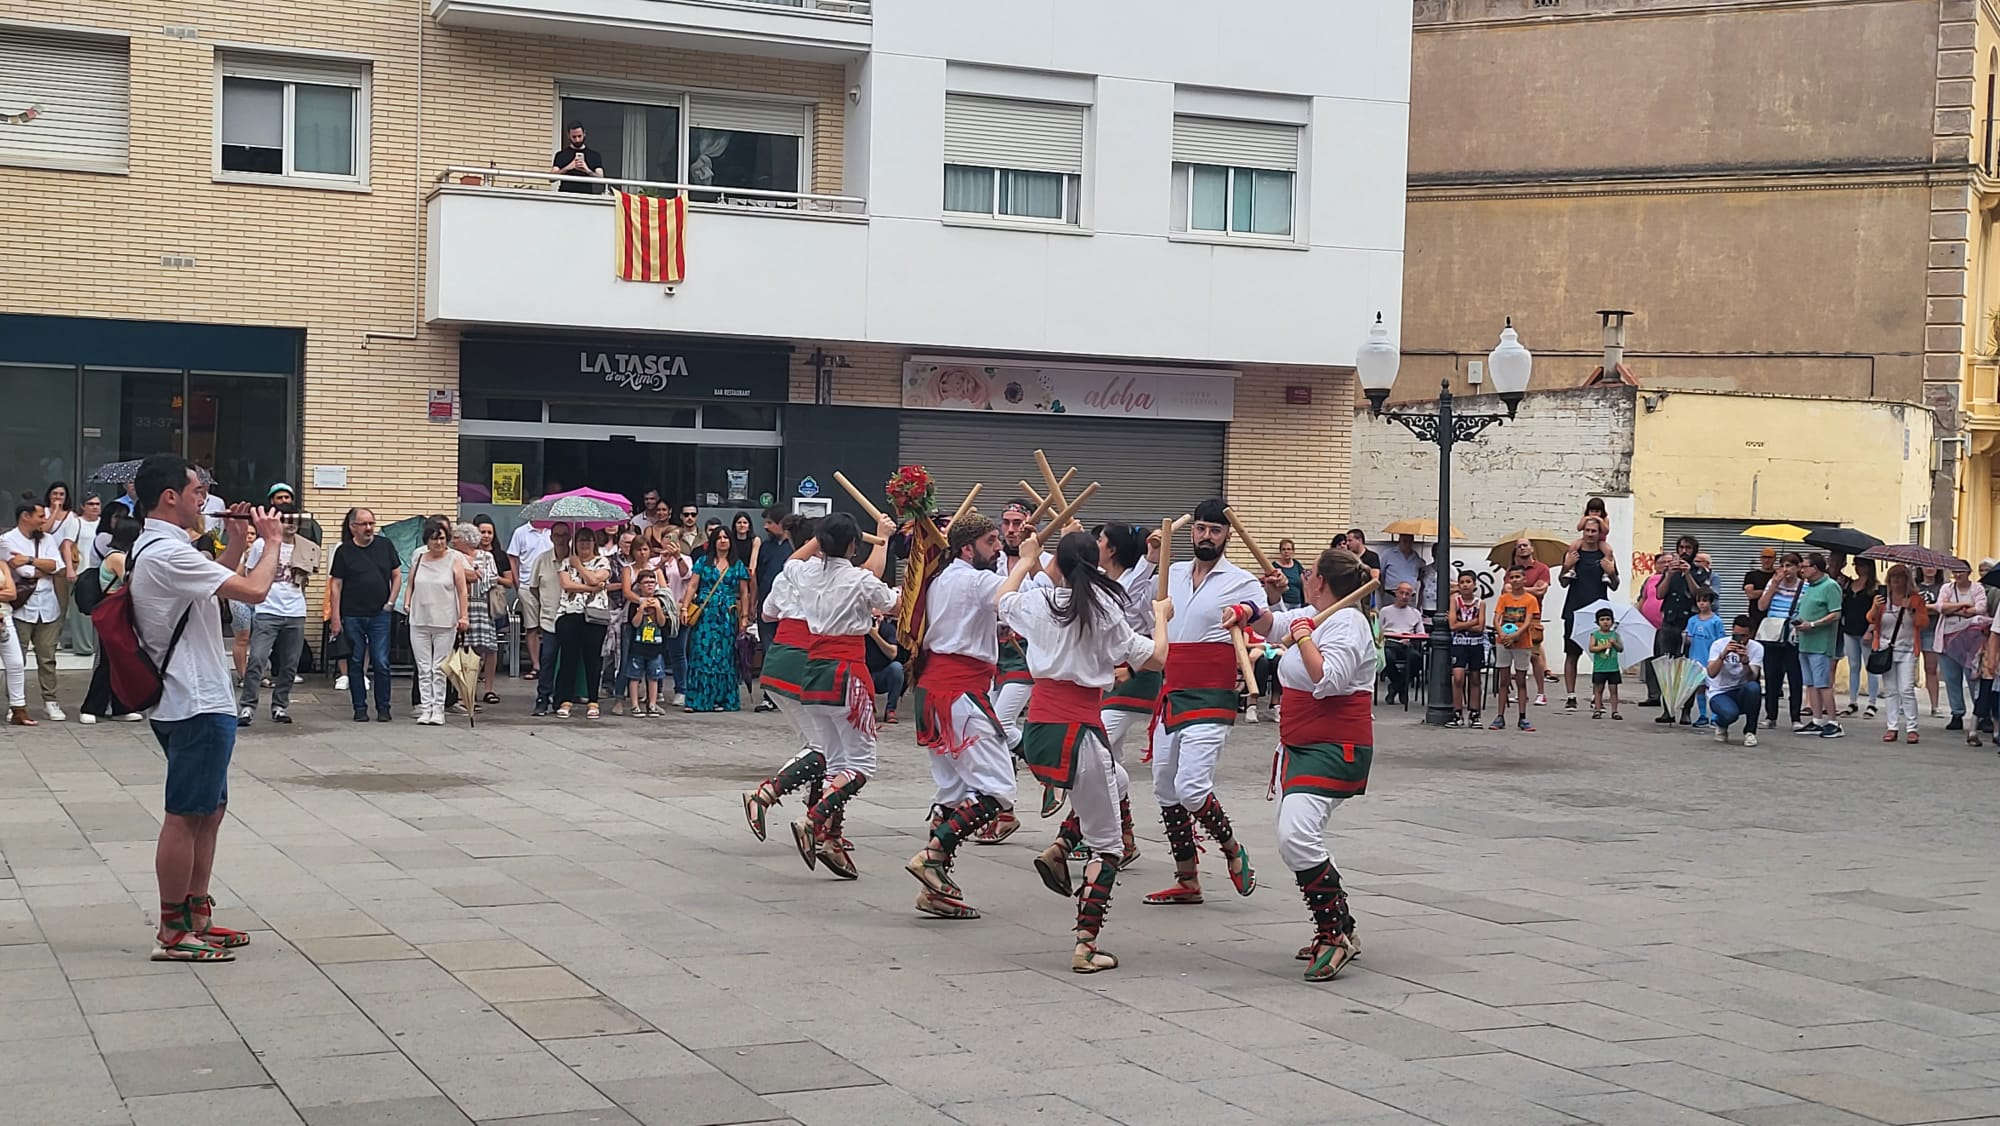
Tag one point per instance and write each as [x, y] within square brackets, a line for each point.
[747, 115]
[1003, 133]
[79, 89]
[1236, 144]
[291, 68]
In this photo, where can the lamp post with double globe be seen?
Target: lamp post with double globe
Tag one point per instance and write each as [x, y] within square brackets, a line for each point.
[1509, 364]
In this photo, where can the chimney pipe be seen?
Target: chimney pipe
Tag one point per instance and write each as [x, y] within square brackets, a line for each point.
[1614, 338]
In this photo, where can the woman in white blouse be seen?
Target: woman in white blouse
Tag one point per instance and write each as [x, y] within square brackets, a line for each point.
[1326, 740]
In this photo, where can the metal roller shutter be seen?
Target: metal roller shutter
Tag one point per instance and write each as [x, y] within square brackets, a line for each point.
[1145, 471]
[998, 133]
[1732, 553]
[79, 90]
[1239, 144]
[311, 69]
[747, 115]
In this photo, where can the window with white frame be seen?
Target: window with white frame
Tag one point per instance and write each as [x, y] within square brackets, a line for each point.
[65, 100]
[1235, 178]
[1009, 159]
[291, 118]
[697, 139]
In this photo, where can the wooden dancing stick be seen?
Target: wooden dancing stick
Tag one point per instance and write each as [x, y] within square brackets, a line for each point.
[1042, 503]
[1243, 660]
[872, 538]
[1249, 541]
[1355, 599]
[867, 505]
[965, 505]
[1049, 475]
[1061, 519]
[1182, 520]
[1166, 559]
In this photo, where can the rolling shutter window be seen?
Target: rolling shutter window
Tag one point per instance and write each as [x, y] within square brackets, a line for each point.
[1127, 459]
[1236, 144]
[308, 69]
[1731, 554]
[747, 116]
[999, 133]
[67, 99]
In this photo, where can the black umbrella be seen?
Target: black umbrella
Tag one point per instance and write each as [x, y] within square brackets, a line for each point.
[125, 472]
[1848, 541]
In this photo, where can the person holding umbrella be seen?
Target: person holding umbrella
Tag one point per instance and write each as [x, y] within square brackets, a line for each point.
[1960, 603]
[1896, 623]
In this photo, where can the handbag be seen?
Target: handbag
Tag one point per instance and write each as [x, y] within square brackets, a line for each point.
[1782, 631]
[692, 613]
[1883, 659]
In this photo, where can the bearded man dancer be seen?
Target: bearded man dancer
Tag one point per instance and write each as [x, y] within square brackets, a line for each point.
[1011, 685]
[784, 668]
[1326, 741]
[836, 693]
[1200, 702]
[955, 717]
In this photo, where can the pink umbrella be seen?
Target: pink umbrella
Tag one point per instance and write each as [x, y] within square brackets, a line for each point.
[593, 494]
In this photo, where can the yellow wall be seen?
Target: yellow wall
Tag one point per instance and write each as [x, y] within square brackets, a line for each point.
[1779, 458]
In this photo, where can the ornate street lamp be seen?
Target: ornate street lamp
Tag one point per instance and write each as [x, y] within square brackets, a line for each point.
[1376, 363]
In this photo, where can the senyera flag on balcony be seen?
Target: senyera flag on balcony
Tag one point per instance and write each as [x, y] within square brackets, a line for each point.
[651, 238]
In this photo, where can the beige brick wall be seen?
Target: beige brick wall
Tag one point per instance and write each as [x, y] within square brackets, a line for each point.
[873, 376]
[338, 264]
[1290, 467]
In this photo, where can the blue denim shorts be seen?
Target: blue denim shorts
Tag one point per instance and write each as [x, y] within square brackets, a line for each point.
[646, 666]
[198, 751]
[1816, 670]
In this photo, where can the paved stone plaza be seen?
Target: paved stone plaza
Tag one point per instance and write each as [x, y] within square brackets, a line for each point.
[567, 923]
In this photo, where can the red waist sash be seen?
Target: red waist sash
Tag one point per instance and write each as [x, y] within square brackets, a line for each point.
[955, 674]
[1065, 701]
[1200, 665]
[947, 677]
[793, 632]
[1306, 720]
[852, 647]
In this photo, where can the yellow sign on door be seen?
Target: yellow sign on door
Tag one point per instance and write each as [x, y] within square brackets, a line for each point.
[507, 482]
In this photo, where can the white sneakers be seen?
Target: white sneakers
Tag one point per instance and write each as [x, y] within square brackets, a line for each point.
[1721, 736]
[54, 712]
[340, 683]
[86, 717]
[680, 701]
[1250, 714]
[1750, 739]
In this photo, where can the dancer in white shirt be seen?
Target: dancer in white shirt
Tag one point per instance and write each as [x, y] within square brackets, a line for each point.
[784, 668]
[1200, 702]
[1077, 637]
[1133, 699]
[836, 693]
[1326, 738]
[955, 717]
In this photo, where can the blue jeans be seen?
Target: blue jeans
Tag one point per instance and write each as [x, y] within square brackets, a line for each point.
[1745, 699]
[889, 682]
[677, 660]
[1956, 677]
[545, 671]
[369, 638]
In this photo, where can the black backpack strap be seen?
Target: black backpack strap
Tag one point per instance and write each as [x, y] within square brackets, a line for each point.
[131, 566]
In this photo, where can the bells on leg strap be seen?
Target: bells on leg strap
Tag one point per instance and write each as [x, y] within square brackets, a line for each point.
[1320, 887]
[836, 798]
[965, 819]
[1093, 899]
[1215, 821]
[808, 767]
[1125, 828]
[1180, 831]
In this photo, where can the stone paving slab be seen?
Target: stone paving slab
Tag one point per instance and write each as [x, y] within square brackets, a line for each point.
[543, 924]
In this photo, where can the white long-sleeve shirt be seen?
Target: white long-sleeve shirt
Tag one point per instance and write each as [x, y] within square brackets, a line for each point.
[837, 598]
[782, 601]
[1059, 652]
[1138, 584]
[1198, 613]
[1346, 645]
[961, 612]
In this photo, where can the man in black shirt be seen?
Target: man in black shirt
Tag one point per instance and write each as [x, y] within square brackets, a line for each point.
[1590, 573]
[1681, 579]
[1754, 583]
[577, 162]
[770, 564]
[365, 572]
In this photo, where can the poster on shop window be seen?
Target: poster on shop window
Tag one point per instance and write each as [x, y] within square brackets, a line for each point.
[507, 482]
[739, 485]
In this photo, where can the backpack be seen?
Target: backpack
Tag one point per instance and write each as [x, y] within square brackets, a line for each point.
[88, 591]
[135, 681]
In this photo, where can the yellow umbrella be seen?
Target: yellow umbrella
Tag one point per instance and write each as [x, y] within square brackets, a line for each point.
[1790, 533]
[461, 667]
[1424, 529]
[1550, 548]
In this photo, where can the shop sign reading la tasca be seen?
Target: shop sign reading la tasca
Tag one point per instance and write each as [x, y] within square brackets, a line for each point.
[682, 369]
[634, 371]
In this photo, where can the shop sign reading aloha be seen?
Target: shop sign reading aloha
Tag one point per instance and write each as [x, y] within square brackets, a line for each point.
[1098, 392]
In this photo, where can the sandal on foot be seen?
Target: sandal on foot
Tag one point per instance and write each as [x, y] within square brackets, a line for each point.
[590, 712]
[188, 947]
[1329, 958]
[754, 807]
[1053, 865]
[934, 874]
[1305, 953]
[944, 907]
[1186, 891]
[563, 712]
[808, 842]
[838, 857]
[490, 698]
[1088, 959]
[997, 830]
[1240, 872]
[1052, 800]
[201, 908]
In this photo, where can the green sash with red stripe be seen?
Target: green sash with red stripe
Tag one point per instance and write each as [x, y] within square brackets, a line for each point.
[1328, 743]
[1061, 715]
[1200, 684]
[1139, 693]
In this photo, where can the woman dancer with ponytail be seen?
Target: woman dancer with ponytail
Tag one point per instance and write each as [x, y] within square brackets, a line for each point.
[1077, 637]
[784, 668]
[1134, 696]
[836, 693]
[1326, 739]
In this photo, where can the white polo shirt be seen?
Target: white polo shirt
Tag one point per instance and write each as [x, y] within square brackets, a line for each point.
[168, 576]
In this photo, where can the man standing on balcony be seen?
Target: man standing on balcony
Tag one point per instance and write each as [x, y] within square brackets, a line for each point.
[576, 162]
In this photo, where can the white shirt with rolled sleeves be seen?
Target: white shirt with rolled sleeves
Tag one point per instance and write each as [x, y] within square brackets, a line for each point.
[1060, 652]
[41, 605]
[1198, 613]
[961, 612]
[836, 598]
[168, 576]
[1346, 644]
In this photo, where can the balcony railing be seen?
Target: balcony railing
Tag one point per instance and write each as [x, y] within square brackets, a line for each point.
[859, 8]
[700, 196]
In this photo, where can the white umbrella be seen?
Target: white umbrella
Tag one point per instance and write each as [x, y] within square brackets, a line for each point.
[1631, 626]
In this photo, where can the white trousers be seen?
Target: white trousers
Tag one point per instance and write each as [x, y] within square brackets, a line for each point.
[1184, 763]
[1302, 822]
[1095, 797]
[1010, 702]
[982, 767]
[789, 708]
[847, 750]
[1120, 725]
[1899, 690]
[17, 668]
[430, 645]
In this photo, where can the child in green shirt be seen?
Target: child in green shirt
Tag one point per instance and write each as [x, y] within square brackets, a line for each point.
[1605, 647]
